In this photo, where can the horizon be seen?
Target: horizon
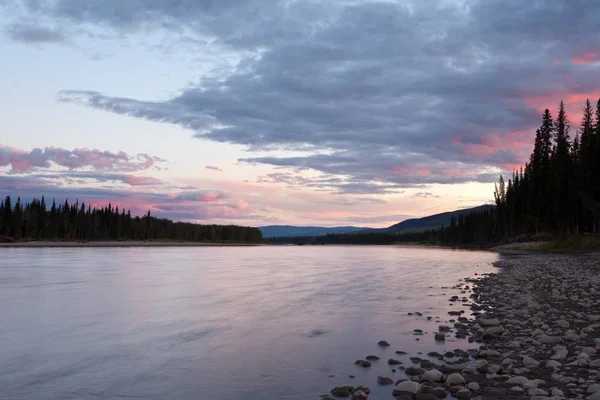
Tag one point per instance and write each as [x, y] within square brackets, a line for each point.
[58, 203]
[303, 113]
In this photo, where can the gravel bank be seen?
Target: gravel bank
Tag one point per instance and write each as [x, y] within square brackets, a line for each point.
[537, 327]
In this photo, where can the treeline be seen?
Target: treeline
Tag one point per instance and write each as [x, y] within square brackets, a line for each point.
[558, 190]
[468, 230]
[75, 222]
[556, 193]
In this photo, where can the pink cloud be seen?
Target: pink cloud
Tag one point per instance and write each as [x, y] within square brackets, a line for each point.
[411, 171]
[207, 196]
[140, 180]
[97, 160]
[586, 58]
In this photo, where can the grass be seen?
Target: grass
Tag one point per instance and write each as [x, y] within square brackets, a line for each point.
[570, 244]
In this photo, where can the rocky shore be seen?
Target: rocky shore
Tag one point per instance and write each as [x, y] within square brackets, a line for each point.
[535, 327]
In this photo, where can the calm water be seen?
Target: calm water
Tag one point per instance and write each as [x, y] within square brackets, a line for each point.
[216, 322]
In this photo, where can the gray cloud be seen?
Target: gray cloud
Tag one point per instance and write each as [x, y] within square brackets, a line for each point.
[385, 95]
[213, 168]
[93, 177]
[34, 34]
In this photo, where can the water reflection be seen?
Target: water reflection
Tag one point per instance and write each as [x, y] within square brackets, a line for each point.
[218, 323]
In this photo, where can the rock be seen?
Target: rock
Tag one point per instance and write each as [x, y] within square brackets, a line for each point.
[553, 364]
[455, 379]
[517, 380]
[412, 371]
[561, 323]
[385, 380]
[589, 350]
[489, 322]
[407, 387]
[362, 363]
[529, 362]
[444, 328]
[474, 386]
[595, 396]
[440, 337]
[495, 330]
[362, 388]
[439, 392]
[489, 353]
[393, 361]
[383, 343]
[463, 394]
[537, 392]
[359, 395]
[425, 396]
[342, 391]
[548, 339]
[593, 388]
[595, 364]
[433, 375]
[372, 358]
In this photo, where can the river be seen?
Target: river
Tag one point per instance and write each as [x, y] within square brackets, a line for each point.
[220, 323]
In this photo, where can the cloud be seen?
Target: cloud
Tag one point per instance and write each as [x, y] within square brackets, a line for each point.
[424, 195]
[379, 95]
[213, 168]
[208, 196]
[97, 160]
[141, 180]
[95, 177]
[34, 34]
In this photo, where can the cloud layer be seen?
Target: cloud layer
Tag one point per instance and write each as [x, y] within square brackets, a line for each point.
[97, 160]
[376, 96]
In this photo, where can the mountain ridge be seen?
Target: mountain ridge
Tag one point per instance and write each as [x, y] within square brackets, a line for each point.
[428, 222]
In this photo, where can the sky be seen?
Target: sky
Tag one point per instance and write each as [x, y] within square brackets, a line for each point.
[304, 112]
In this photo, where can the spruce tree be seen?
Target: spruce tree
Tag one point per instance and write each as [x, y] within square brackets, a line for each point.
[594, 163]
[543, 177]
[563, 195]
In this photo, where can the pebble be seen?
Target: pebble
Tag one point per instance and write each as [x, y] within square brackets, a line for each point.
[537, 333]
[433, 375]
[455, 379]
[529, 362]
[385, 380]
[407, 387]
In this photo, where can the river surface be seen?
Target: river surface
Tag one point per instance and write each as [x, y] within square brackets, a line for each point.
[219, 323]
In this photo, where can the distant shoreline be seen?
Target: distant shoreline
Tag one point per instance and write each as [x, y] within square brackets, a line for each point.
[35, 244]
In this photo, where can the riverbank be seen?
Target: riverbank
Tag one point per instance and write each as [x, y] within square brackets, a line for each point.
[123, 244]
[537, 327]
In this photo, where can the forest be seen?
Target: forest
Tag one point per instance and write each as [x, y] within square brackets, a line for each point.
[555, 194]
[75, 222]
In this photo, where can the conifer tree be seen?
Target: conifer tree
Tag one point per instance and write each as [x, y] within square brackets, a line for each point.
[562, 172]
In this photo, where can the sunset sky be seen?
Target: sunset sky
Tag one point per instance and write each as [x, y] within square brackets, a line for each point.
[305, 112]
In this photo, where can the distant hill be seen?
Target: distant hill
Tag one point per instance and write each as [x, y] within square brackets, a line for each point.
[432, 221]
[272, 231]
[414, 224]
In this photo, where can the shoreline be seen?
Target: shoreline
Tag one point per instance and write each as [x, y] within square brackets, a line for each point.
[535, 329]
[38, 244]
